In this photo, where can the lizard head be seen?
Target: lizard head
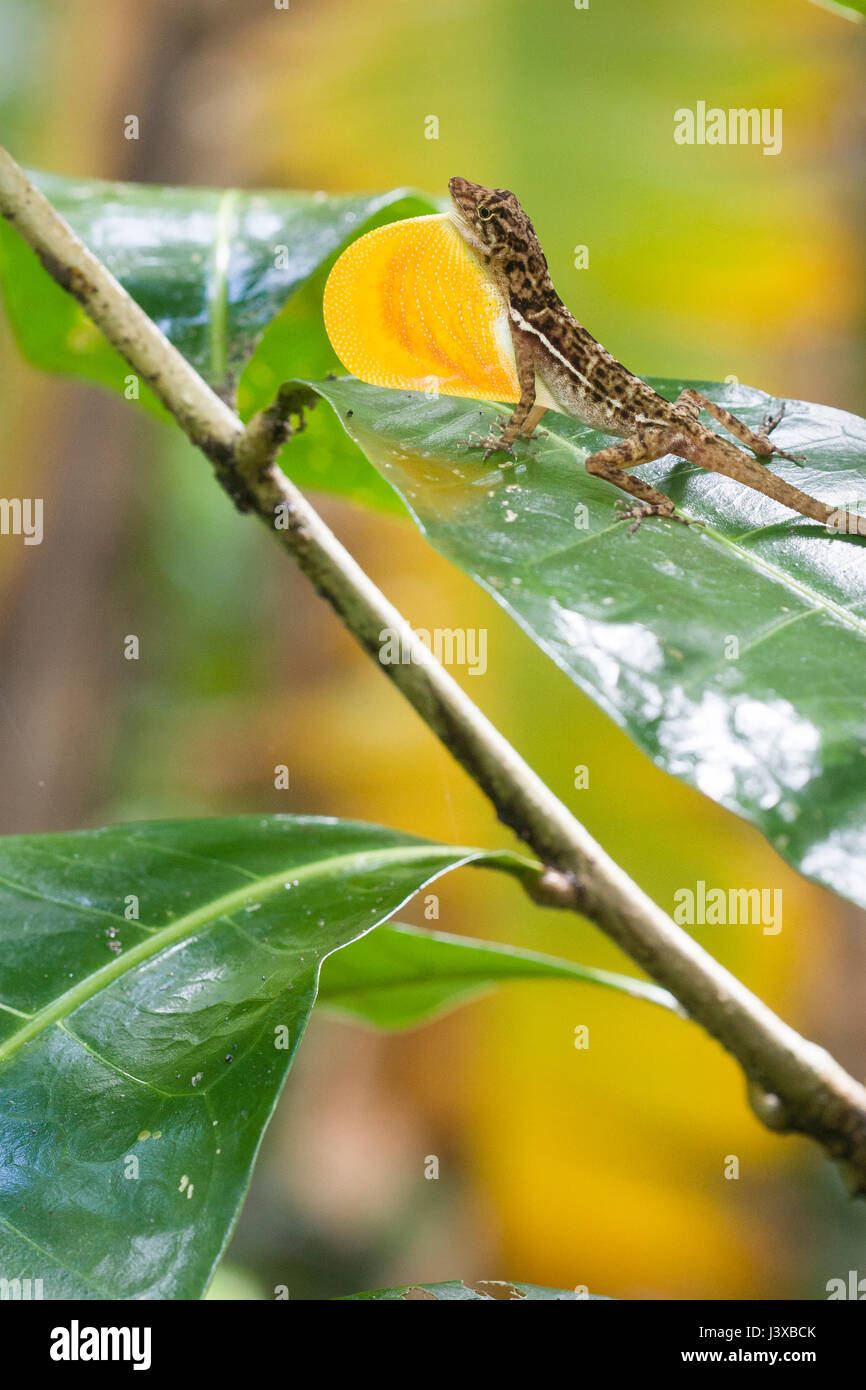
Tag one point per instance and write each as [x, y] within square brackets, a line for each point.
[494, 224]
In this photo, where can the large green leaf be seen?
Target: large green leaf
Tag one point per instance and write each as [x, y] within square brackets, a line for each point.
[774, 727]
[157, 1046]
[399, 975]
[214, 268]
[481, 1290]
[206, 264]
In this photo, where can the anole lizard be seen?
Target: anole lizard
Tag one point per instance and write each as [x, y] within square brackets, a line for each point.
[557, 358]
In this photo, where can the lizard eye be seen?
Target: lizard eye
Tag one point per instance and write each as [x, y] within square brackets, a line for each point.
[485, 214]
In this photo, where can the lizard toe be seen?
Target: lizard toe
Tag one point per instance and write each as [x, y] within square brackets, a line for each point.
[491, 444]
[637, 513]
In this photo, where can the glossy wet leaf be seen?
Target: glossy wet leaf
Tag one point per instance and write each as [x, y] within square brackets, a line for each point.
[215, 269]
[479, 1291]
[141, 1056]
[734, 656]
[398, 975]
[212, 267]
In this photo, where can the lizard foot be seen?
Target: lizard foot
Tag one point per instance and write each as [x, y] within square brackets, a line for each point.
[768, 424]
[772, 419]
[491, 443]
[637, 512]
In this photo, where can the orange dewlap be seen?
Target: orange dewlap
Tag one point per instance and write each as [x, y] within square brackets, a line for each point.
[408, 306]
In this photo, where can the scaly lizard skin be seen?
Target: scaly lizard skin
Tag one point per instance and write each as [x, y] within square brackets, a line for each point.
[589, 384]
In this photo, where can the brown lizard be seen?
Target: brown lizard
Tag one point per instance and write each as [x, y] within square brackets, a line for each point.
[587, 382]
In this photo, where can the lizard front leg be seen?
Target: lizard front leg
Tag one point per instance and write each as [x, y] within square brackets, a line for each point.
[759, 442]
[525, 415]
[641, 447]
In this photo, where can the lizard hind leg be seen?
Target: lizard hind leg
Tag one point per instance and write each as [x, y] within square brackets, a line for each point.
[642, 447]
[758, 441]
[710, 451]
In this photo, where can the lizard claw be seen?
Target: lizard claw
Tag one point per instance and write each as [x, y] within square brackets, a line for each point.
[637, 512]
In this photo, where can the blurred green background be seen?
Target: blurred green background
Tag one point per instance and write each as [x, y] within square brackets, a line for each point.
[557, 1166]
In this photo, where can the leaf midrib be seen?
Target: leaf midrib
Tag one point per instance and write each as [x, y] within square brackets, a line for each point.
[529, 965]
[65, 1004]
[218, 335]
[453, 981]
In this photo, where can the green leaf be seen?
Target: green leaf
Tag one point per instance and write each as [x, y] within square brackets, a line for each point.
[206, 265]
[141, 1058]
[399, 975]
[773, 728]
[482, 1290]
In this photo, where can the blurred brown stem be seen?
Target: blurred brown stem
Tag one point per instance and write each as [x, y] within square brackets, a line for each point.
[794, 1084]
